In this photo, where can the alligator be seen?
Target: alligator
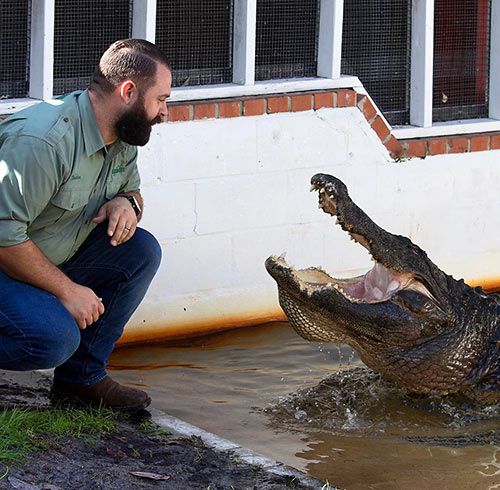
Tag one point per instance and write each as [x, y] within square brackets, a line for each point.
[408, 320]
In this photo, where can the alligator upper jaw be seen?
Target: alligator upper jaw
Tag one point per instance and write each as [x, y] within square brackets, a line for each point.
[328, 191]
[377, 285]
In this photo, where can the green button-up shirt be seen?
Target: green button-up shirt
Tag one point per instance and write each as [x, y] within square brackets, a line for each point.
[55, 174]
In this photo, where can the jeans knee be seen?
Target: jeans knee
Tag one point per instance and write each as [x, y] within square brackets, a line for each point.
[148, 249]
[57, 346]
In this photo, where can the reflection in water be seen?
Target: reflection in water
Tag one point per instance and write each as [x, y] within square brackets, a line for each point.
[491, 468]
[270, 390]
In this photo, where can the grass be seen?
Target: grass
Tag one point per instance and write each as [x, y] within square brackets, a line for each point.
[148, 428]
[24, 430]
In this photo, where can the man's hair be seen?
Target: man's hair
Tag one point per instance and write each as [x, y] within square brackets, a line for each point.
[133, 59]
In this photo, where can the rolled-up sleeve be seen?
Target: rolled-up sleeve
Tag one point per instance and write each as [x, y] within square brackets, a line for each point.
[28, 179]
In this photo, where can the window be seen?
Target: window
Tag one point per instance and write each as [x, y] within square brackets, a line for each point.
[15, 41]
[376, 47]
[196, 36]
[461, 53]
[286, 39]
[83, 29]
[423, 62]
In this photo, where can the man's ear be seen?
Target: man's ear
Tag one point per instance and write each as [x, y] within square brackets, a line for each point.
[128, 91]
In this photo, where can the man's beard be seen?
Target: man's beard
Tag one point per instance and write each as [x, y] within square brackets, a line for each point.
[133, 126]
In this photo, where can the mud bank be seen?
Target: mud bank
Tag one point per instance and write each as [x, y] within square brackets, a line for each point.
[183, 461]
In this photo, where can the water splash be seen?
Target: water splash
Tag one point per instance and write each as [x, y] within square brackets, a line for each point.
[359, 401]
[340, 350]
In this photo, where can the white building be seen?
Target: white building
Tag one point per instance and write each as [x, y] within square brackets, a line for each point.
[401, 100]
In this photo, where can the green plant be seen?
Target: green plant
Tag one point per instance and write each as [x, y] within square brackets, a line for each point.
[198, 456]
[5, 474]
[24, 430]
[149, 429]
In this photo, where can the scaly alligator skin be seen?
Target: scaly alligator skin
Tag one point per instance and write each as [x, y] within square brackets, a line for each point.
[406, 318]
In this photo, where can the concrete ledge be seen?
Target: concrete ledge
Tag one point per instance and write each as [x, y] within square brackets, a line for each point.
[219, 444]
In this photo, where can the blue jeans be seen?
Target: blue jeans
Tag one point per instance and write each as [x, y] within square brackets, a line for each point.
[36, 330]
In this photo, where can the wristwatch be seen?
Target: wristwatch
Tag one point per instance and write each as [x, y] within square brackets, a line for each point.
[135, 205]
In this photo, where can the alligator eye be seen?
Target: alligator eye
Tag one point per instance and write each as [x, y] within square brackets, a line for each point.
[415, 248]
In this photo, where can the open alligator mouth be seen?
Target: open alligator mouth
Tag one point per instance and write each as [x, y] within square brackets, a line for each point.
[380, 283]
[377, 285]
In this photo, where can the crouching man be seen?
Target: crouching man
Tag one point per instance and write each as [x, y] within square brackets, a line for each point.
[74, 265]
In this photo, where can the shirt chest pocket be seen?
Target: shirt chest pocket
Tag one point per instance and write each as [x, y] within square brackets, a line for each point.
[70, 199]
[67, 206]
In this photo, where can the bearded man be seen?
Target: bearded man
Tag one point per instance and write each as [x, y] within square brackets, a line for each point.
[74, 266]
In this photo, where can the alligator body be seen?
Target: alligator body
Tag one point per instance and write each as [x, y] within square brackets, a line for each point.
[407, 319]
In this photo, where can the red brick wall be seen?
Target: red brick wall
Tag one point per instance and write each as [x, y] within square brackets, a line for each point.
[296, 102]
[300, 101]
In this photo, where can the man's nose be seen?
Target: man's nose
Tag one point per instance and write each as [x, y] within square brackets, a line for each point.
[163, 110]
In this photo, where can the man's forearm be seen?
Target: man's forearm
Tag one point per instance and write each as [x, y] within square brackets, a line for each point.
[25, 262]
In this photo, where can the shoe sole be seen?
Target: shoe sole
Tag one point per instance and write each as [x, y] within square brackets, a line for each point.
[60, 398]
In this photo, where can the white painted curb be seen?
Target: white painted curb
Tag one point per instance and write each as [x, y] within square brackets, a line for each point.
[243, 454]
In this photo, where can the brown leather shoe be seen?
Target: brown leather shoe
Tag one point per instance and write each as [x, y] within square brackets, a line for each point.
[106, 393]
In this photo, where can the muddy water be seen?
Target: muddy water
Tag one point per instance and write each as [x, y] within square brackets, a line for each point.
[262, 387]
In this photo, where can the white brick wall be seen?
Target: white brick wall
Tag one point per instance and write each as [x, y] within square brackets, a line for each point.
[222, 195]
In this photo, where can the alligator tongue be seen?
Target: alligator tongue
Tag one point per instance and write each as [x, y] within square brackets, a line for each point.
[378, 284]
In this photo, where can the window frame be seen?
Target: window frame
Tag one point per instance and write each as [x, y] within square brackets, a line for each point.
[328, 67]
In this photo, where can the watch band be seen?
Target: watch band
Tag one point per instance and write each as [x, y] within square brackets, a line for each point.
[135, 205]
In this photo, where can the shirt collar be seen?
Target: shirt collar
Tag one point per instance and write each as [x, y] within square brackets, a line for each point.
[91, 135]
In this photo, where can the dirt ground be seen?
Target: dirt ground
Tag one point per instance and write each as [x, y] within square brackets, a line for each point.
[109, 462]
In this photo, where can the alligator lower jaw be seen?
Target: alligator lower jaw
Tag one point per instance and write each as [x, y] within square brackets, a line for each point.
[377, 285]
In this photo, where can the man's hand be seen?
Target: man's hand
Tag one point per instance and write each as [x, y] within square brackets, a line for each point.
[121, 217]
[83, 305]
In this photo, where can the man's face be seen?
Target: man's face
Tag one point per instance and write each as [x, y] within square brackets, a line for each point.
[134, 125]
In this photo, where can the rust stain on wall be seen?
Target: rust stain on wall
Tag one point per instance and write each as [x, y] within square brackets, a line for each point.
[149, 333]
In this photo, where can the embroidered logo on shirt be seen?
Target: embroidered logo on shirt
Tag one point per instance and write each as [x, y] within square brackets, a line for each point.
[117, 170]
[76, 177]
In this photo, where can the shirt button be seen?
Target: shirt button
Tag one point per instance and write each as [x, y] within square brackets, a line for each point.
[65, 119]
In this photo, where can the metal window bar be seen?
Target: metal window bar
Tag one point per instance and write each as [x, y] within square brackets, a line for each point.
[376, 47]
[461, 59]
[15, 37]
[197, 37]
[83, 30]
[286, 44]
